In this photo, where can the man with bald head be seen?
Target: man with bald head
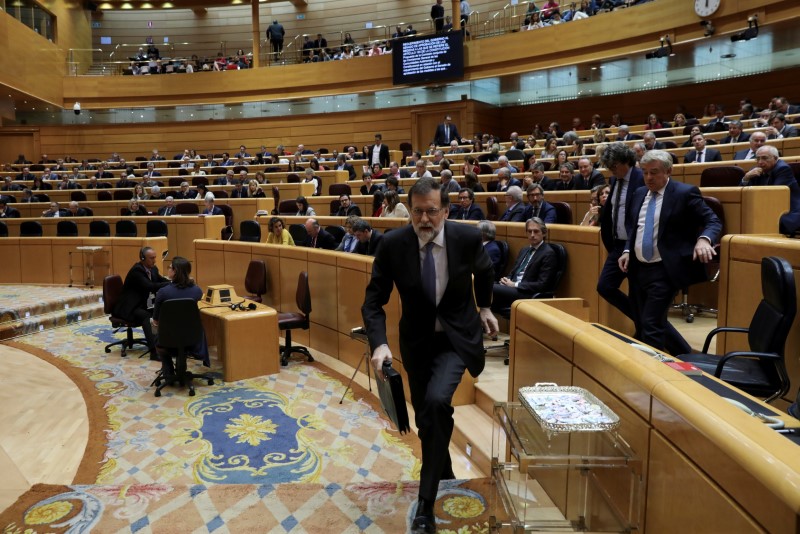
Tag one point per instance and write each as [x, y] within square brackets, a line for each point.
[757, 140]
[771, 170]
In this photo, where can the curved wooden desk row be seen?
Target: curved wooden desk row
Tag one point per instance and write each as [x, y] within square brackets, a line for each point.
[46, 260]
[708, 467]
[337, 282]
[182, 230]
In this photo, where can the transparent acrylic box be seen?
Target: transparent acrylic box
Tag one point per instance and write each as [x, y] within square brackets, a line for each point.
[566, 481]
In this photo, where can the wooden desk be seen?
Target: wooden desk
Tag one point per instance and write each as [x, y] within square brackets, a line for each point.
[246, 341]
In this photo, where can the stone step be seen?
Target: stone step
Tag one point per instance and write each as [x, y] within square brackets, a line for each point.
[54, 319]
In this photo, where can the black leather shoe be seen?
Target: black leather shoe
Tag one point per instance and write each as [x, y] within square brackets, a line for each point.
[423, 525]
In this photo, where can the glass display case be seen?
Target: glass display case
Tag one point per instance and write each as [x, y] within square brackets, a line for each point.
[562, 481]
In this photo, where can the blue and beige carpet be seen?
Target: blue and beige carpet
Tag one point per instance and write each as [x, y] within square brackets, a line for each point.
[270, 454]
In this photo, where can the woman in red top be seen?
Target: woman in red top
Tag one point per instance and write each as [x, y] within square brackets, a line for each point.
[653, 123]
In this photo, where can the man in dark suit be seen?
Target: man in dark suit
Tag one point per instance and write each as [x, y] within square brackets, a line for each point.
[437, 16]
[368, 238]
[567, 179]
[9, 185]
[665, 252]
[168, 208]
[378, 153]
[227, 179]
[623, 134]
[757, 140]
[318, 237]
[342, 165]
[537, 206]
[346, 207]
[701, 154]
[534, 271]
[770, 170]
[211, 208]
[780, 129]
[432, 263]
[719, 123]
[466, 210]
[446, 132]
[184, 193]
[591, 176]
[151, 172]
[138, 295]
[735, 134]
[515, 208]
[75, 210]
[651, 143]
[6, 211]
[239, 189]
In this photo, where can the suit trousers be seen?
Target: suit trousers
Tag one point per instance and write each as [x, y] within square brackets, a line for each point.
[608, 284]
[142, 317]
[433, 378]
[504, 296]
[651, 298]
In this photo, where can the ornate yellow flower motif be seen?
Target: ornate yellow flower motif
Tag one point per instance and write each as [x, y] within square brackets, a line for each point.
[250, 429]
[49, 513]
[463, 507]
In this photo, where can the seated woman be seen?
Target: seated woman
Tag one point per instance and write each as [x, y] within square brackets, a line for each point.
[653, 123]
[303, 209]
[377, 203]
[471, 180]
[278, 234]
[254, 190]
[139, 192]
[550, 148]
[377, 172]
[135, 208]
[392, 207]
[598, 196]
[181, 287]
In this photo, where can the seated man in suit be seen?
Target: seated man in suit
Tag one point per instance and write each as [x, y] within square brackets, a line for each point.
[126, 182]
[185, 193]
[651, 143]
[779, 128]
[393, 184]
[53, 211]
[735, 134]
[537, 206]
[342, 165]
[138, 295]
[318, 237]
[369, 239]
[591, 176]
[346, 207]
[466, 209]
[515, 209]
[168, 208]
[771, 170]
[228, 179]
[757, 140]
[9, 185]
[75, 210]
[6, 211]
[349, 241]
[567, 179]
[211, 209]
[534, 271]
[701, 154]
[66, 183]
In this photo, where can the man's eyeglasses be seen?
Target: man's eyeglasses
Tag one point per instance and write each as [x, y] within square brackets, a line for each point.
[431, 212]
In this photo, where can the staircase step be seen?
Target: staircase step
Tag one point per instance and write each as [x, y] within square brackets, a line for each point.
[473, 431]
[46, 321]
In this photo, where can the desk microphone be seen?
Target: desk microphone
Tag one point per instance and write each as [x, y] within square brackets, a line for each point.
[241, 307]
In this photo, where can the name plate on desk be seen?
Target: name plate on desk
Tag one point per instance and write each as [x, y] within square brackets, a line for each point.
[89, 248]
[220, 294]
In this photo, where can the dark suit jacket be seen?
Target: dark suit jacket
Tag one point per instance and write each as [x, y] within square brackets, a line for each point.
[238, 193]
[574, 184]
[374, 188]
[711, 155]
[324, 240]
[474, 213]
[352, 210]
[350, 170]
[743, 138]
[163, 210]
[136, 289]
[607, 213]
[383, 155]
[595, 179]
[514, 214]
[781, 174]
[441, 139]
[683, 211]
[540, 274]
[9, 213]
[742, 154]
[216, 210]
[370, 247]
[492, 248]
[547, 212]
[398, 264]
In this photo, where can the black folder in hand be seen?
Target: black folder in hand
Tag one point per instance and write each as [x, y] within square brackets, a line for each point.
[393, 400]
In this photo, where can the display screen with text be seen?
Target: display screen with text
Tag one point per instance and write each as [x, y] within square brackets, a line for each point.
[429, 58]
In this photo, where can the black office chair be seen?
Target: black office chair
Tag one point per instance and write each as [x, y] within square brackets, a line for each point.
[337, 232]
[157, 228]
[126, 228]
[30, 229]
[291, 321]
[276, 200]
[563, 212]
[112, 289]
[287, 207]
[179, 329]
[250, 231]
[67, 228]
[99, 229]
[3, 229]
[104, 195]
[721, 176]
[227, 231]
[78, 196]
[123, 194]
[337, 190]
[42, 197]
[492, 211]
[335, 205]
[255, 280]
[761, 371]
[187, 208]
[298, 233]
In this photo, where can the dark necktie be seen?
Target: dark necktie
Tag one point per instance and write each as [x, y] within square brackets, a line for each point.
[429, 273]
[523, 264]
[536, 211]
[619, 185]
